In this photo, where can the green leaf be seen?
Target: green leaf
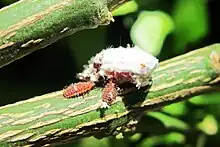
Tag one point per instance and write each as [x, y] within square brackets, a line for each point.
[171, 138]
[177, 109]
[169, 121]
[93, 142]
[135, 137]
[150, 30]
[126, 8]
[209, 125]
[191, 21]
[206, 99]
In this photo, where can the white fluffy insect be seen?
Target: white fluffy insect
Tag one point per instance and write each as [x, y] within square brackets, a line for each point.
[121, 65]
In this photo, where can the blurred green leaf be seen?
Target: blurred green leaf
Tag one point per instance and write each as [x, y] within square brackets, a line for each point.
[209, 125]
[135, 137]
[150, 30]
[171, 138]
[174, 137]
[177, 109]
[169, 121]
[93, 142]
[128, 7]
[206, 99]
[191, 21]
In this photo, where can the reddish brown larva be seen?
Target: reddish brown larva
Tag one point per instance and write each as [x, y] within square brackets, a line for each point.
[77, 89]
[109, 93]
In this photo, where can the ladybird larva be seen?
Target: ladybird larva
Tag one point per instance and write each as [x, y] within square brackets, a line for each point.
[78, 89]
[109, 93]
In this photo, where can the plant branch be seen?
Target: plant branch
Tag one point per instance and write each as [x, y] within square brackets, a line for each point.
[30, 25]
[52, 119]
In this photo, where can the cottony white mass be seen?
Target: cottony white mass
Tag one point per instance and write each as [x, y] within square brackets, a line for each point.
[121, 64]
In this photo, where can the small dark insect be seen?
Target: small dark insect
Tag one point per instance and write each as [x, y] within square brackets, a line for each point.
[78, 89]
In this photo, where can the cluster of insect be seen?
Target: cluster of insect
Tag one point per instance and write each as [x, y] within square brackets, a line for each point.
[114, 66]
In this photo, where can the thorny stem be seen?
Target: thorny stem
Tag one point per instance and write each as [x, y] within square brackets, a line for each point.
[30, 25]
[52, 119]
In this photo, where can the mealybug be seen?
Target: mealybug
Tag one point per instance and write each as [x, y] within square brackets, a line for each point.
[78, 89]
[132, 65]
[115, 66]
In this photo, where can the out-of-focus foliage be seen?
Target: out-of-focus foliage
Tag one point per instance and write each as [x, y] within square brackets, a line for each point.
[128, 7]
[164, 27]
[209, 125]
[167, 139]
[191, 20]
[150, 29]
[207, 99]
[169, 121]
[178, 109]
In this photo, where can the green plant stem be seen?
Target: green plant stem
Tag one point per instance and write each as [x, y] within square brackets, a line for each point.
[52, 119]
[30, 25]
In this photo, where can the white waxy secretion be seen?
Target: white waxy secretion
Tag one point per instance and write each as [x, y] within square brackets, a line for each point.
[135, 62]
[132, 60]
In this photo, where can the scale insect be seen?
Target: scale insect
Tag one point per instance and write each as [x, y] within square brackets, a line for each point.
[115, 66]
[78, 89]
